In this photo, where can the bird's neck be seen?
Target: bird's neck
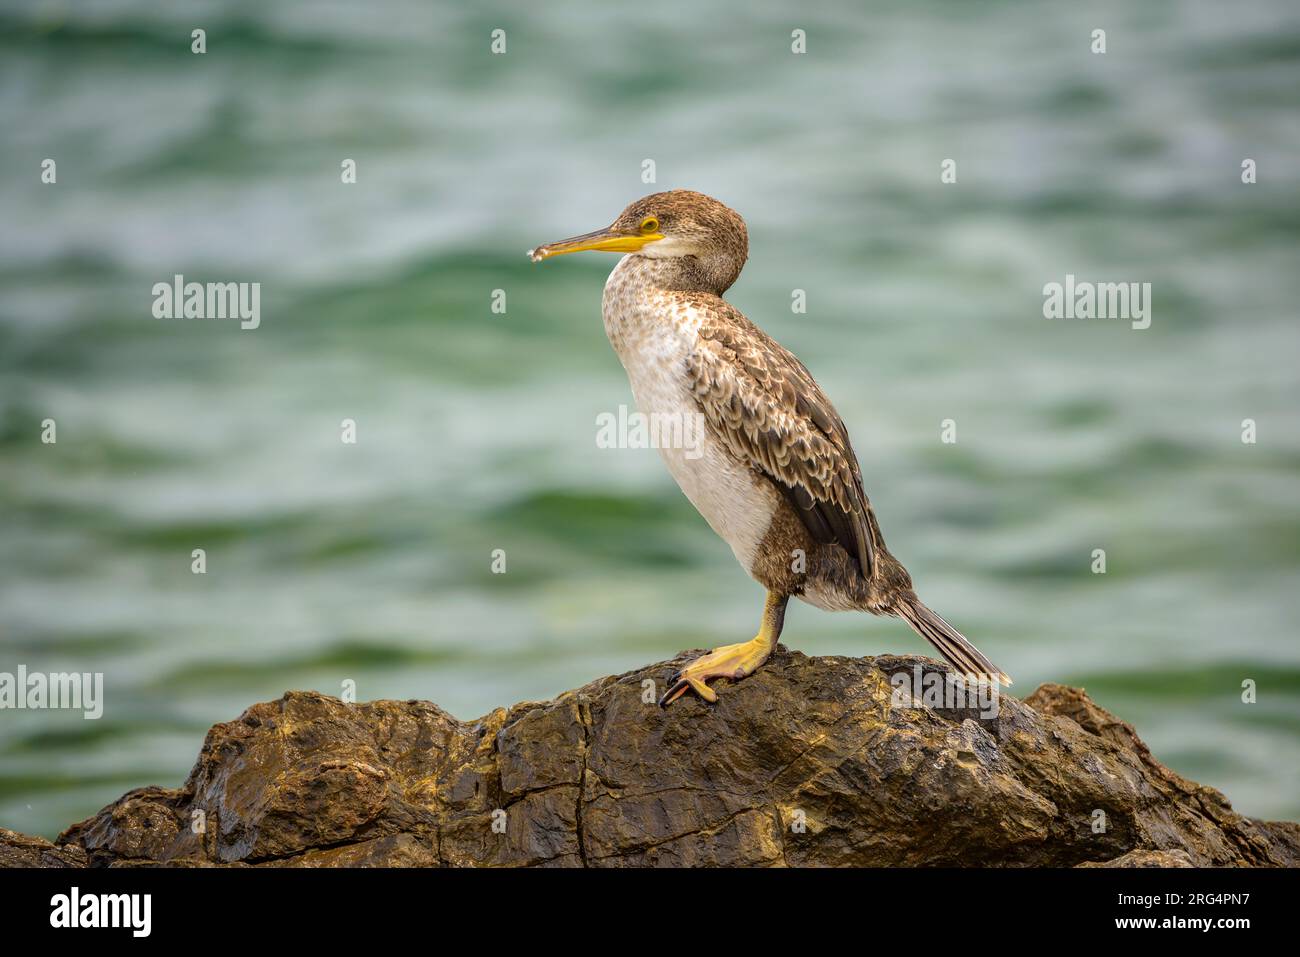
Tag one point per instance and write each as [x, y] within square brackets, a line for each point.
[707, 273]
[638, 306]
[643, 295]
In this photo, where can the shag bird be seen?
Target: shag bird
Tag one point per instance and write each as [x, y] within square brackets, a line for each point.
[775, 474]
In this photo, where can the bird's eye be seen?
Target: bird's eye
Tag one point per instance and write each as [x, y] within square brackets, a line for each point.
[649, 224]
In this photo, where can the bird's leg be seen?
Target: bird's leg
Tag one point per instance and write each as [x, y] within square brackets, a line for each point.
[730, 661]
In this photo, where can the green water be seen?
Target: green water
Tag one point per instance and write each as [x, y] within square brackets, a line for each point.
[371, 562]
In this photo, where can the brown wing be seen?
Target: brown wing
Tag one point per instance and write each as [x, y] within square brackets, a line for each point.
[769, 412]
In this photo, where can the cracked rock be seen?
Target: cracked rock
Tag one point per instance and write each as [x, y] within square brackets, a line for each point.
[809, 762]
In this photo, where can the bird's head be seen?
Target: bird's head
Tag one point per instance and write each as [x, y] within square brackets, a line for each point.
[708, 238]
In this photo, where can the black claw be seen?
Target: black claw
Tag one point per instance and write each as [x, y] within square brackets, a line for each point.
[668, 696]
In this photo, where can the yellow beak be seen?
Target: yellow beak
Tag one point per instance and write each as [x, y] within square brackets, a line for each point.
[602, 240]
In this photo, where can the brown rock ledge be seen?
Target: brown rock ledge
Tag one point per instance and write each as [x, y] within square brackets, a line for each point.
[809, 762]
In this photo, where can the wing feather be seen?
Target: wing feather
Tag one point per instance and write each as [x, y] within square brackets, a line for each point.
[769, 412]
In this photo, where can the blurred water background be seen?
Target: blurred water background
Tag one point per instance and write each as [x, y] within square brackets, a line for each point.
[476, 431]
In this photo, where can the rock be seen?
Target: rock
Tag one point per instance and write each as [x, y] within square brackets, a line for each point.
[1147, 859]
[811, 761]
[19, 850]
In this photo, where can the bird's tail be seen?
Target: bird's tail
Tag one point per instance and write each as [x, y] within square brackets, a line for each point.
[950, 642]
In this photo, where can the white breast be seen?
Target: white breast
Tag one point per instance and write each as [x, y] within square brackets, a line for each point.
[653, 333]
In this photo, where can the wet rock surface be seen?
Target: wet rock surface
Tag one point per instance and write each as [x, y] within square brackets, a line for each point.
[809, 762]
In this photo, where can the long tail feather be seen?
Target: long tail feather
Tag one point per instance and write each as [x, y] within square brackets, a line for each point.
[950, 642]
